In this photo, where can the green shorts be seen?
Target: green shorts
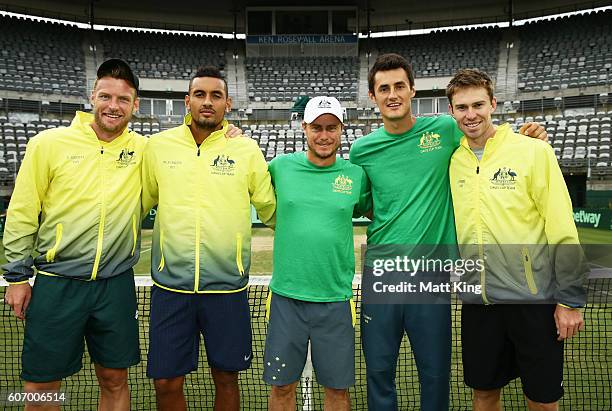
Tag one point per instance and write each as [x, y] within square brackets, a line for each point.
[64, 313]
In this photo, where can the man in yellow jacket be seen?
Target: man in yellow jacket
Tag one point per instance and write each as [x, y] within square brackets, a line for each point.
[76, 203]
[513, 214]
[203, 185]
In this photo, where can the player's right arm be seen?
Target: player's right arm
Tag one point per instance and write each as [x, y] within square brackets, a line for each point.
[22, 223]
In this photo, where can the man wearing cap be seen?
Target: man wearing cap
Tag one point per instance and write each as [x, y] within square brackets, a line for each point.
[311, 289]
[76, 204]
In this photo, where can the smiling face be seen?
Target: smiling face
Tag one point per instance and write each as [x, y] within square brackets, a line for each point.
[323, 136]
[393, 94]
[208, 101]
[113, 101]
[472, 109]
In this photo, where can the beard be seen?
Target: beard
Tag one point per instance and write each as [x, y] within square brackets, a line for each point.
[110, 129]
[206, 124]
[321, 155]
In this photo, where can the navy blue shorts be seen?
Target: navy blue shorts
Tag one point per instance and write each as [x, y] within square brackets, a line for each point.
[176, 323]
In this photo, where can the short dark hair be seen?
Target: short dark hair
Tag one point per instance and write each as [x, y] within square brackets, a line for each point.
[119, 69]
[466, 78]
[208, 71]
[386, 62]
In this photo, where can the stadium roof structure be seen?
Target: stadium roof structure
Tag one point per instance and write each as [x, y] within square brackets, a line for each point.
[229, 16]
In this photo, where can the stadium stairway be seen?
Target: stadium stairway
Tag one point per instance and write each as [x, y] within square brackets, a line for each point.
[94, 55]
[362, 86]
[507, 66]
[236, 76]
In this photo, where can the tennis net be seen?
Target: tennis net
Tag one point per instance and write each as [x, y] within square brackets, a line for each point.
[587, 379]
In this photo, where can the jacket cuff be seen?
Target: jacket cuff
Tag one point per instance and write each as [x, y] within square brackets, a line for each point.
[19, 271]
[570, 306]
[15, 282]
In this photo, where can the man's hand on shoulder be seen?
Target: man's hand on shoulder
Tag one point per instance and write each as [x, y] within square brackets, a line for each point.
[534, 130]
[18, 297]
[568, 321]
[233, 131]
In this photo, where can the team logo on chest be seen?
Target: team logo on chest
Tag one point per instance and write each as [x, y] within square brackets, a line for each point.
[126, 157]
[429, 142]
[503, 179]
[223, 165]
[343, 184]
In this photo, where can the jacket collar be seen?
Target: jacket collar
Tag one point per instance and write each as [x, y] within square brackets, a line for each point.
[214, 136]
[501, 134]
[82, 121]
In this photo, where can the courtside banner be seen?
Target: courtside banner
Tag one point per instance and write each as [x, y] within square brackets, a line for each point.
[304, 39]
[481, 273]
[593, 218]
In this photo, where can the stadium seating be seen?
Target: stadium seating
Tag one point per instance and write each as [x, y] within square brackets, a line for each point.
[41, 58]
[162, 55]
[285, 78]
[566, 52]
[577, 140]
[442, 53]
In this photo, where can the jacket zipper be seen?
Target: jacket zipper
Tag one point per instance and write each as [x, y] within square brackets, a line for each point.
[479, 225]
[94, 271]
[197, 239]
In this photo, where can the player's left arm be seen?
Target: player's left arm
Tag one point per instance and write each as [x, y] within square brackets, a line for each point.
[554, 205]
[261, 191]
[535, 130]
[568, 321]
[364, 205]
[233, 131]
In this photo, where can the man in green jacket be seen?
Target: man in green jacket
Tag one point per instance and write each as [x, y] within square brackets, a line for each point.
[513, 213]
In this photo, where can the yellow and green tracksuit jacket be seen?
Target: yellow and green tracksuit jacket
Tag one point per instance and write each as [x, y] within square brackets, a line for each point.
[202, 231]
[76, 203]
[512, 209]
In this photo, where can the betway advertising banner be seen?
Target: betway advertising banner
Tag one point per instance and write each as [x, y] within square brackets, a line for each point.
[593, 218]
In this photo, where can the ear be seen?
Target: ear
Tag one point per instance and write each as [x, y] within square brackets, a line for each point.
[450, 109]
[372, 97]
[228, 105]
[187, 99]
[136, 104]
[92, 98]
[304, 126]
[493, 104]
[412, 92]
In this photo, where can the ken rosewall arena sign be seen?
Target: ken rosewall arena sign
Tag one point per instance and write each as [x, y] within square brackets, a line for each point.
[303, 39]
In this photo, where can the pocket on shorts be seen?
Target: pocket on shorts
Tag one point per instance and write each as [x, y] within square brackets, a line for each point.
[268, 302]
